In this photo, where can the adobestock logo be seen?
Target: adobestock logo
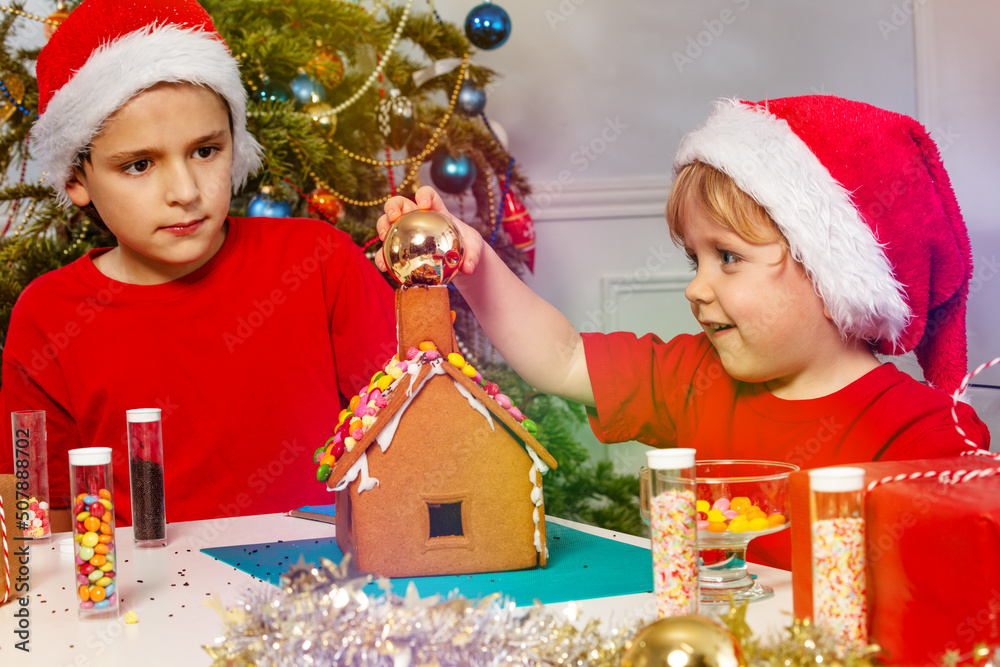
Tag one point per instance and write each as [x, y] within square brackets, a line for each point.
[697, 44]
[585, 155]
[292, 279]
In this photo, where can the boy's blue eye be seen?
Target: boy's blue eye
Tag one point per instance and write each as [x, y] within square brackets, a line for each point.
[727, 257]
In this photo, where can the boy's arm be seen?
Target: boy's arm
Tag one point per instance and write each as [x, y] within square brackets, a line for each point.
[532, 336]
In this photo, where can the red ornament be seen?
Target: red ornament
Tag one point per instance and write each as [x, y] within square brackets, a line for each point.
[326, 204]
[327, 66]
[54, 19]
[520, 228]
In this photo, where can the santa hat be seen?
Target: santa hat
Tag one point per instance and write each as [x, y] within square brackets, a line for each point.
[108, 51]
[868, 210]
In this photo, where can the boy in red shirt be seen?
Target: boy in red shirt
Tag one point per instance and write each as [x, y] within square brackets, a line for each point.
[246, 333]
[821, 231]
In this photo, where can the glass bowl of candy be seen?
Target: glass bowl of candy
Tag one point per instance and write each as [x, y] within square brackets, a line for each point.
[737, 501]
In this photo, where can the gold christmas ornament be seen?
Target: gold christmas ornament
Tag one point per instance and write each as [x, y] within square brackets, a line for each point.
[13, 94]
[688, 641]
[423, 248]
[323, 115]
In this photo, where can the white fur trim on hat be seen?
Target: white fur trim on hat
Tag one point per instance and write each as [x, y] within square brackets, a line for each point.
[825, 231]
[117, 72]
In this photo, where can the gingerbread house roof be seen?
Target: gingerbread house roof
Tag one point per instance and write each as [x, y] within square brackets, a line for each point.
[405, 389]
[427, 348]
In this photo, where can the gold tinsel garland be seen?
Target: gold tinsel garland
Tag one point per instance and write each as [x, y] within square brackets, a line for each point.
[322, 616]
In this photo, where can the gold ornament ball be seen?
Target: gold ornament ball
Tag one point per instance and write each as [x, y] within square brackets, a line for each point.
[15, 88]
[683, 641]
[322, 114]
[423, 248]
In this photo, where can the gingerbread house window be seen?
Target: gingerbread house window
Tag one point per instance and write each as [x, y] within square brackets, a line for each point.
[445, 519]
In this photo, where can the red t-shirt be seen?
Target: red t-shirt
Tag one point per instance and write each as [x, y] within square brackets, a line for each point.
[248, 358]
[677, 394]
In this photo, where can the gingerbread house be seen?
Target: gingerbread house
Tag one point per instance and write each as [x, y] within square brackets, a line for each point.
[445, 478]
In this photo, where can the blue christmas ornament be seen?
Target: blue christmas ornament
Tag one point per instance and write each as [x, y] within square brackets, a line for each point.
[274, 91]
[487, 26]
[265, 206]
[471, 99]
[307, 90]
[453, 173]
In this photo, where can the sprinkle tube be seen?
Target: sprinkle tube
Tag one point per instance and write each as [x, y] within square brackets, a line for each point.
[673, 531]
[840, 601]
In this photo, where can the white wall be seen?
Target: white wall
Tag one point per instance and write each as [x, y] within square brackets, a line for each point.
[627, 80]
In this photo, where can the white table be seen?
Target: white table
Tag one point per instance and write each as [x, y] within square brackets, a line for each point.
[168, 589]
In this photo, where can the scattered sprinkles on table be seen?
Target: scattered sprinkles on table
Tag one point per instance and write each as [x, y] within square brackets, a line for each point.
[675, 552]
[839, 595]
[360, 413]
[94, 538]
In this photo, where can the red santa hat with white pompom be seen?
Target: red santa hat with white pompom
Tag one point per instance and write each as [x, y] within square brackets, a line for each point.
[108, 51]
[868, 210]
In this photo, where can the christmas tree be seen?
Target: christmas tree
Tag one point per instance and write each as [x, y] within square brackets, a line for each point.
[348, 102]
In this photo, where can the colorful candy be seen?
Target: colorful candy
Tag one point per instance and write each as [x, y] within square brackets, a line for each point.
[363, 408]
[839, 594]
[95, 550]
[675, 555]
[37, 519]
[738, 515]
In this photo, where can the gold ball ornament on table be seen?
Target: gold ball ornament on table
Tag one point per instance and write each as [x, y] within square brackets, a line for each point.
[683, 641]
[423, 248]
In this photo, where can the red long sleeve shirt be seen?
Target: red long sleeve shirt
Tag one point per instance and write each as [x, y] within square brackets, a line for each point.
[248, 358]
[677, 394]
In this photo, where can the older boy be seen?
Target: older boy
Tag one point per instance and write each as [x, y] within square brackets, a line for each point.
[247, 333]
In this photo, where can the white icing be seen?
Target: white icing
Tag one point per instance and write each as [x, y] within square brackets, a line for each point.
[541, 465]
[385, 436]
[536, 493]
[360, 467]
[479, 407]
[538, 534]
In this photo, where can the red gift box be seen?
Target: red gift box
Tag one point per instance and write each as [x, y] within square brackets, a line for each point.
[933, 556]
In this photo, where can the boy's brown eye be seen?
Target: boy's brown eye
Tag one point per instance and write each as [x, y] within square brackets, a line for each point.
[137, 167]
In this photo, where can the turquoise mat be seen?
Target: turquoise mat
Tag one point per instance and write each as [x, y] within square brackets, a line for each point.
[580, 567]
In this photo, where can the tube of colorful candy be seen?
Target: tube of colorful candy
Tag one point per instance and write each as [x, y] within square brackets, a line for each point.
[673, 530]
[32, 470]
[145, 459]
[93, 532]
[836, 502]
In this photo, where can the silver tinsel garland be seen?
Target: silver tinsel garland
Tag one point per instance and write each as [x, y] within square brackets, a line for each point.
[322, 616]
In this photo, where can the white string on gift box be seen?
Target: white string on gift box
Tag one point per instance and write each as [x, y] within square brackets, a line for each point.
[6, 555]
[956, 476]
